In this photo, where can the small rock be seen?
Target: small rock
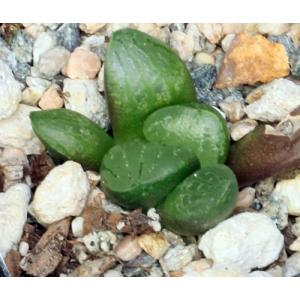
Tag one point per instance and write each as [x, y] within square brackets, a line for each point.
[244, 241]
[34, 30]
[96, 44]
[91, 28]
[277, 210]
[128, 248]
[296, 227]
[154, 222]
[77, 226]
[183, 44]
[61, 194]
[242, 128]
[34, 92]
[252, 59]
[52, 98]
[260, 274]
[68, 36]
[44, 42]
[212, 31]
[295, 64]
[273, 28]
[202, 58]
[13, 215]
[141, 266]
[289, 192]
[222, 272]
[204, 76]
[10, 92]
[273, 101]
[100, 241]
[83, 96]
[52, 61]
[172, 238]
[210, 97]
[227, 41]
[113, 273]
[199, 39]
[195, 268]
[93, 177]
[292, 265]
[83, 64]
[295, 246]
[80, 252]
[233, 108]
[16, 131]
[6, 55]
[245, 198]
[100, 80]
[178, 257]
[21, 71]
[275, 271]
[23, 248]
[22, 46]
[154, 244]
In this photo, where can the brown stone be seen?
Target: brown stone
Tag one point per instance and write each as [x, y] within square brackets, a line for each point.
[252, 59]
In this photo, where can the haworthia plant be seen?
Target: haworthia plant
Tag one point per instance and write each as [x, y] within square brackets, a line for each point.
[197, 127]
[201, 201]
[71, 135]
[141, 75]
[140, 175]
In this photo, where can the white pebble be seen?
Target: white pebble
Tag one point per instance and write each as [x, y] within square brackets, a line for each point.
[52, 61]
[178, 257]
[13, 215]
[44, 42]
[23, 248]
[273, 101]
[244, 241]
[77, 226]
[100, 241]
[292, 265]
[241, 128]
[289, 192]
[10, 92]
[16, 131]
[61, 194]
[83, 96]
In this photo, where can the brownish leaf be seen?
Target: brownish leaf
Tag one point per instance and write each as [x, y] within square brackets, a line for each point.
[39, 167]
[12, 260]
[94, 268]
[47, 254]
[134, 223]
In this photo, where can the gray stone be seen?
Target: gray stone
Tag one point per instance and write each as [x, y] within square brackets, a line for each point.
[22, 46]
[96, 44]
[68, 36]
[295, 63]
[204, 76]
[22, 71]
[6, 55]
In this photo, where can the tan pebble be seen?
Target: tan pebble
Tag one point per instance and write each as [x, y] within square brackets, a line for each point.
[295, 246]
[204, 58]
[242, 128]
[197, 266]
[212, 31]
[51, 99]
[128, 248]
[91, 28]
[252, 59]
[83, 64]
[245, 198]
[154, 244]
[273, 28]
[234, 110]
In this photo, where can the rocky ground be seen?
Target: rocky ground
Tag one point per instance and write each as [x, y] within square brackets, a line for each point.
[71, 228]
